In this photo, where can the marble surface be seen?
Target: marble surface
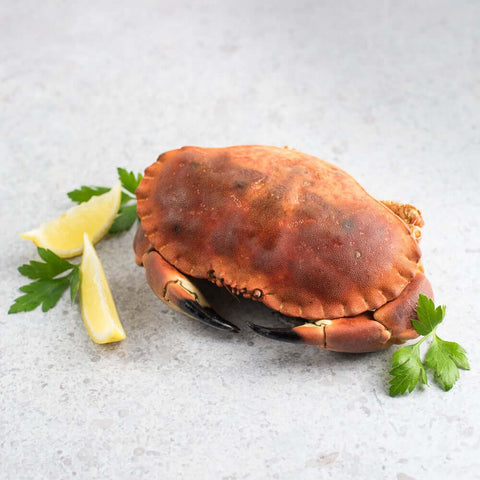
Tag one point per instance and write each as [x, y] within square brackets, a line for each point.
[389, 91]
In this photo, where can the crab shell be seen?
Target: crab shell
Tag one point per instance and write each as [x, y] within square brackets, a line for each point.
[285, 228]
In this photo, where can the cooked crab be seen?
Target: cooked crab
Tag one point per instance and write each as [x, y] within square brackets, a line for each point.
[286, 229]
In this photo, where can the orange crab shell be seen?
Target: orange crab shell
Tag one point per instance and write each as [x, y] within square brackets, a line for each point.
[277, 225]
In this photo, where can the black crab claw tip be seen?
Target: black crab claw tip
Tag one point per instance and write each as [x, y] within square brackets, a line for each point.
[283, 334]
[206, 315]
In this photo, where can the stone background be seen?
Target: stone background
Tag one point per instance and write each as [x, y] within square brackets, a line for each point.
[389, 91]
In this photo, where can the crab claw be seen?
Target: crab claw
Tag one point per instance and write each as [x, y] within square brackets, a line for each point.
[355, 334]
[179, 293]
[284, 334]
[366, 332]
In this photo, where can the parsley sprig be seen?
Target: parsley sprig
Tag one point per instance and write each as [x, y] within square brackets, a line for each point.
[127, 214]
[442, 357]
[50, 282]
[52, 277]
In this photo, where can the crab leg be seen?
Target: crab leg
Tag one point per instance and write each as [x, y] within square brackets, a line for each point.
[367, 332]
[179, 293]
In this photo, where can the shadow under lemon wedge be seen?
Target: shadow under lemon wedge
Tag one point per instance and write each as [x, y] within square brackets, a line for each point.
[96, 302]
[64, 234]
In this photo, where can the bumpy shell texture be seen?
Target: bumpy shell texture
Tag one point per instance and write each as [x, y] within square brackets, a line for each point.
[293, 231]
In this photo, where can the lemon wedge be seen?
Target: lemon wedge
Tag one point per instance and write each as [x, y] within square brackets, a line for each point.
[64, 234]
[96, 302]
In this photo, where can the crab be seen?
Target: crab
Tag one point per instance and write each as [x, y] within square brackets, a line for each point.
[287, 229]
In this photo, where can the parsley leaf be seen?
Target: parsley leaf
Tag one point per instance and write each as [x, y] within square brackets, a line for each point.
[442, 357]
[52, 266]
[127, 213]
[48, 286]
[125, 218]
[407, 370]
[429, 317]
[84, 193]
[129, 180]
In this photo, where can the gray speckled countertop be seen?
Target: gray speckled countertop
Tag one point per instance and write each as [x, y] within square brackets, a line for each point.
[389, 91]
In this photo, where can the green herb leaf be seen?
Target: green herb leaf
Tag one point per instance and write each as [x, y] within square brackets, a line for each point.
[129, 180]
[48, 287]
[41, 292]
[407, 370]
[125, 219]
[53, 266]
[126, 198]
[85, 193]
[428, 316]
[444, 358]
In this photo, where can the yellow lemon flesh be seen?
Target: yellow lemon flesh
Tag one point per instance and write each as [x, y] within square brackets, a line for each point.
[96, 302]
[64, 234]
